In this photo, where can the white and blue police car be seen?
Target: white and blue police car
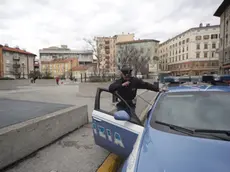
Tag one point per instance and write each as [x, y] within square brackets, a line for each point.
[186, 130]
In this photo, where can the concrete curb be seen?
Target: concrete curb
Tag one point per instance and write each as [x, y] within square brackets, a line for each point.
[113, 162]
[20, 140]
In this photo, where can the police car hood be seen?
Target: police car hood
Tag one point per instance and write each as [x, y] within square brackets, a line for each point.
[167, 152]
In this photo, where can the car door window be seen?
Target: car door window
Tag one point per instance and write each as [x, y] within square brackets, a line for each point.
[106, 103]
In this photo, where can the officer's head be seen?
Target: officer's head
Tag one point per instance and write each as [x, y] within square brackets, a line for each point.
[126, 72]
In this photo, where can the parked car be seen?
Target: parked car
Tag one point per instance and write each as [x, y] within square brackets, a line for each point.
[186, 129]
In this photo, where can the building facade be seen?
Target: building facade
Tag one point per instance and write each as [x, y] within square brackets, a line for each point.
[224, 51]
[193, 52]
[15, 63]
[36, 65]
[59, 67]
[107, 48]
[146, 49]
[84, 57]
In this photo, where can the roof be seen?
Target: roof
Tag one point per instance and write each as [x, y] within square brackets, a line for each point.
[80, 68]
[59, 61]
[222, 8]
[191, 29]
[16, 50]
[196, 88]
[137, 41]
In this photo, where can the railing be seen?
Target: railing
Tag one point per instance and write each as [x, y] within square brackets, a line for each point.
[16, 65]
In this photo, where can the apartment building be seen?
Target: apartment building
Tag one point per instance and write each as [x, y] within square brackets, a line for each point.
[107, 47]
[147, 48]
[59, 67]
[84, 56]
[193, 52]
[223, 12]
[15, 63]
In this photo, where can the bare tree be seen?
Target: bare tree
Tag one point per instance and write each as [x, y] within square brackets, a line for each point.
[47, 73]
[97, 50]
[135, 57]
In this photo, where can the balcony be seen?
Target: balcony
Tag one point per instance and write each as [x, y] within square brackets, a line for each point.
[106, 42]
[107, 47]
[16, 58]
[16, 65]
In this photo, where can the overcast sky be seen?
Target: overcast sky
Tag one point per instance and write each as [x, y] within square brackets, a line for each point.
[35, 24]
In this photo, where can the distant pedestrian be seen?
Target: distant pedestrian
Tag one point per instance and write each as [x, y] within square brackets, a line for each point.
[57, 80]
[35, 78]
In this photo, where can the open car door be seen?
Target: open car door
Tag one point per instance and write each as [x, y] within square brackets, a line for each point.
[117, 136]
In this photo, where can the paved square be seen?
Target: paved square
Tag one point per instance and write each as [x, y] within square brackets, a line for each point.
[16, 111]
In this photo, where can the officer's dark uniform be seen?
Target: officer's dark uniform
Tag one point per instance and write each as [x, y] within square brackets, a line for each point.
[128, 93]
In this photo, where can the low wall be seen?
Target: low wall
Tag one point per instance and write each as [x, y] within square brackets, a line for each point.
[20, 140]
[13, 84]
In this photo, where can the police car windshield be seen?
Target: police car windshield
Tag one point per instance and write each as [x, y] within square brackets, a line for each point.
[195, 110]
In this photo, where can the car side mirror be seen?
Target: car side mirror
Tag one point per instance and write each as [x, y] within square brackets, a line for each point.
[121, 115]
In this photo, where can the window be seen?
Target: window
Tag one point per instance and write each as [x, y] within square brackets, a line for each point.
[187, 48]
[205, 46]
[206, 37]
[187, 40]
[183, 41]
[214, 36]
[187, 56]
[205, 54]
[198, 46]
[198, 38]
[179, 43]
[198, 112]
[183, 56]
[226, 39]
[7, 61]
[213, 54]
[197, 55]
[213, 45]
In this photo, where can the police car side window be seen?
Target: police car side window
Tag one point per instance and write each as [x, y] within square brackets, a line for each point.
[107, 103]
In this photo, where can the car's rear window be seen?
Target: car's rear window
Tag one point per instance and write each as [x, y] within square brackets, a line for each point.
[198, 110]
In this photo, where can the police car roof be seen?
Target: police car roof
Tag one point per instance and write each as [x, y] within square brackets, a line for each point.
[195, 88]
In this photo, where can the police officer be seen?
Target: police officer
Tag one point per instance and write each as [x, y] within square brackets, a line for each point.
[127, 87]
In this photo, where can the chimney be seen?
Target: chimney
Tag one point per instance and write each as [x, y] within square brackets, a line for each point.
[208, 24]
[6, 45]
[201, 24]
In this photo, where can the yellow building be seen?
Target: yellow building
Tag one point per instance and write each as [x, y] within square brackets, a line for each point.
[59, 67]
[79, 71]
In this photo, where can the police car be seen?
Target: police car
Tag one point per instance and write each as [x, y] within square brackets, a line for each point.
[186, 129]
